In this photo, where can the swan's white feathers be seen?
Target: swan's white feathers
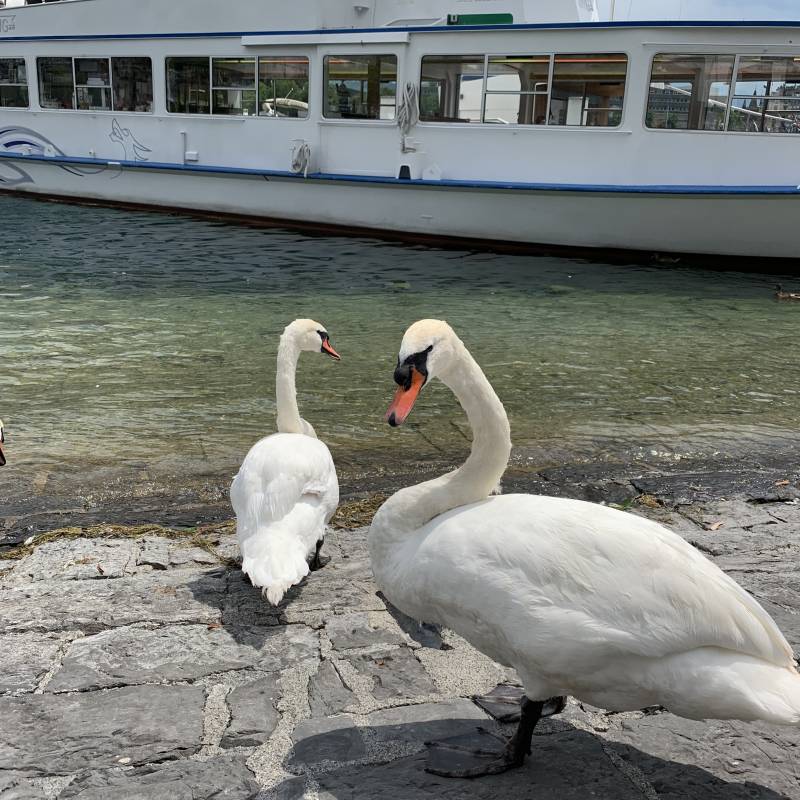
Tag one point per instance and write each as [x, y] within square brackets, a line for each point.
[284, 494]
[580, 599]
[580, 574]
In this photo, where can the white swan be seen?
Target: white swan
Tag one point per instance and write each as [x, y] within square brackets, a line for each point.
[580, 599]
[286, 489]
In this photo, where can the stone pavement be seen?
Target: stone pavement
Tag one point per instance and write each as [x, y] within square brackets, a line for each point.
[139, 664]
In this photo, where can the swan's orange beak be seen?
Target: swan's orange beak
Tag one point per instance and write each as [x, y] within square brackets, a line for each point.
[404, 399]
[327, 347]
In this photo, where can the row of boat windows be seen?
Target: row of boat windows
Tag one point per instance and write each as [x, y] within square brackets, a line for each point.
[686, 92]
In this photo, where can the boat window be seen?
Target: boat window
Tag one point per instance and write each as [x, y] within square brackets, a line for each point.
[233, 82]
[13, 83]
[766, 96]
[360, 87]
[56, 86]
[451, 88]
[689, 92]
[517, 89]
[283, 86]
[188, 85]
[132, 79]
[93, 84]
[588, 89]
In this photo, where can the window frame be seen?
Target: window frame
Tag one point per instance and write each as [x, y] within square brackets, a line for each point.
[27, 83]
[525, 125]
[360, 120]
[737, 56]
[152, 84]
[309, 63]
[546, 93]
[625, 87]
[110, 87]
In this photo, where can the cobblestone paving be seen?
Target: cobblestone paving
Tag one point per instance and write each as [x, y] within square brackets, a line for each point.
[148, 668]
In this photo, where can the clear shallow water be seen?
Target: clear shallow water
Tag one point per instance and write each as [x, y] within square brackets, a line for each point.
[132, 338]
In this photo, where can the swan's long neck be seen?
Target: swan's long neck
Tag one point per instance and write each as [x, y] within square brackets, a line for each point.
[285, 391]
[411, 508]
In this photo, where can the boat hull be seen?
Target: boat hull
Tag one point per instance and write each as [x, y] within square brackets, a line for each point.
[726, 223]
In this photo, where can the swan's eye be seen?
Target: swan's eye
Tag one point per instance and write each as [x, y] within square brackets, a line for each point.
[418, 362]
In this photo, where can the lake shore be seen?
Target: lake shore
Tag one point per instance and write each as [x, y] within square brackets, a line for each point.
[133, 655]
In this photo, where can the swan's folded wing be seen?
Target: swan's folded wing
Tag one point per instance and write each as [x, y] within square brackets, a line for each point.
[578, 581]
[633, 586]
[276, 475]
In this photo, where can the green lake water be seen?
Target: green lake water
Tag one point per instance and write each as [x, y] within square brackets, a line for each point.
[130, 339]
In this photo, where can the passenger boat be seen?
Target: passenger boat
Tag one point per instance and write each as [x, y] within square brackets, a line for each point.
[503, 120]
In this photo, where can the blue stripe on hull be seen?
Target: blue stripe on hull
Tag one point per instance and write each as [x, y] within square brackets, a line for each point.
[676, 189]
[528, 26]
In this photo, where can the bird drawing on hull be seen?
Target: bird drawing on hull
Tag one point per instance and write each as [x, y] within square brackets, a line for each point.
[580, 599]
[286, 489]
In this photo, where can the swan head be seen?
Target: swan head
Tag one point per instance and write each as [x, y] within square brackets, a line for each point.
[2, 440]
[310, 336]
[428, 347]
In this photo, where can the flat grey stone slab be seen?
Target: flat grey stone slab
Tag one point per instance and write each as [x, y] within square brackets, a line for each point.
[126, 656]
[93, 605]
[222, 777]
[188, 557]
[711, 760]
[564, 766]
[15, 786]
[334, 739]
[154, 552]
[253, 713]
[327, 694]
[25, 658]
[395, 674]
[62, 734]
[347, 631]
[78, 559]
[427, 721]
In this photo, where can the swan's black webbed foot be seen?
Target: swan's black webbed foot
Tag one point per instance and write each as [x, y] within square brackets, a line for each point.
[484, 753]
[504, 703]
[318, 561]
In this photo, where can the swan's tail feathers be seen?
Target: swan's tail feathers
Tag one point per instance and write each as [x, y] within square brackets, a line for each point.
[733, 686]
[274, 560]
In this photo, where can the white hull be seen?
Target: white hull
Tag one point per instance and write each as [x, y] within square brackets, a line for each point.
[681, 223]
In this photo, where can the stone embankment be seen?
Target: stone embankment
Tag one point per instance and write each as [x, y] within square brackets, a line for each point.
[138, 663]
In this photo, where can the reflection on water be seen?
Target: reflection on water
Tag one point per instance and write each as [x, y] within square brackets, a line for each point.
[130, 338]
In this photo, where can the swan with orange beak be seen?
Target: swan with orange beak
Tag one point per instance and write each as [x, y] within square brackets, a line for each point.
[286, 490]
[580, 599]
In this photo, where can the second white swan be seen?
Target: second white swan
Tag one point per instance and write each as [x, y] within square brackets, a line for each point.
[286, 490]
[580, 599]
